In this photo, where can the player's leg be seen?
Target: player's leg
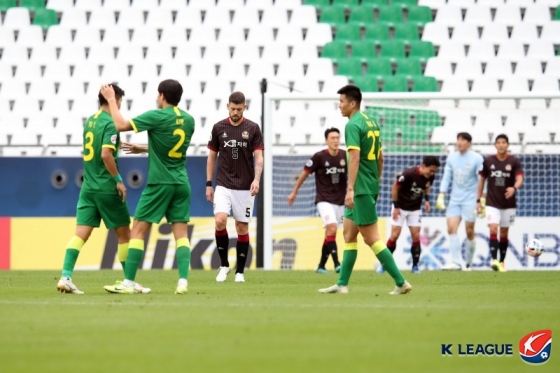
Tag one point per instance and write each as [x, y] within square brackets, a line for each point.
[115, 215]
[330, 245]
[396, 228]
[222, 208]
[328, 216]
[242, 203]
[414, 221]
[453, 220]
[507, 218]
[493, 220]
[469, 216]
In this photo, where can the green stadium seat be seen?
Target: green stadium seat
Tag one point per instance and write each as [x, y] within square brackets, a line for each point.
[419, 15]
[557, 14]
[395, 84]
[406, 31]
[363, 49]
[404, 3]
[362, 15]
[332, 14]
[422, 50]
[32, 5]
[409, 66]
[349, 67]
[366, 83]
[374, 3]
[390, 14]
[424, 84]
[319, 3]
[346, 3]
[45, 18]
[7, 4]
[392, 48]
[379, 67]
[348, 31]
[377, 31]
[335, 49]
[424, 118]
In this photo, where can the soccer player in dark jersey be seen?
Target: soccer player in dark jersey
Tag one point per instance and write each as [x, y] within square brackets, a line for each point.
[329, 166]
[407, 191]
[365, 164]
[239, 143]
[504, 175]
[168, 192]
[103, 194]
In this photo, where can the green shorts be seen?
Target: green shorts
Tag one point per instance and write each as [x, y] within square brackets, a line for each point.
[92, 207]
[170, 200]
[364, 211]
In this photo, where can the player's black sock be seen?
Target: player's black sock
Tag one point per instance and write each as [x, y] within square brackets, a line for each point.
[503, 249]
[494, 246]
[415, 250]
[391, 245]
[332, 249]
[324, 256]
[242, 252]
[222, 243]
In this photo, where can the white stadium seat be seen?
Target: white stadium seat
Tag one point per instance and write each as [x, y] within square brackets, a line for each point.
[437, 33]
[525, 32]
[465, 33]
[494, 33]
[508, 14]
[479, 14]
[498, 68]
[450, 14]
[17, 18]
[528, 67]
[537, 13]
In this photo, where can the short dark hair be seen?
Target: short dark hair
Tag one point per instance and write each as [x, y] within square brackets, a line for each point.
[502, 136]
[430, 160]
[171, 91]
[352, 92]
[465, 136]
[329, 130]
[237, 98]
[119, 93]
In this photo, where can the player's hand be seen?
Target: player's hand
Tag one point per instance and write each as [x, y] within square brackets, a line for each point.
[291, 198]
[349, 199]
[510, 192]
[396, 213]
[209, 194]
[427, 207]
[130, 148]
[482, 205]
[440, 203]
[121, 189]
[255, 186]
[107, 91]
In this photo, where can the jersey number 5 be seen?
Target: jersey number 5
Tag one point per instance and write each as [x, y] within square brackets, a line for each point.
[173, 153]
[88, 145]
[371, 155]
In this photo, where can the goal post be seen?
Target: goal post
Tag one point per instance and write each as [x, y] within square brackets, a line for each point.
[412, 125]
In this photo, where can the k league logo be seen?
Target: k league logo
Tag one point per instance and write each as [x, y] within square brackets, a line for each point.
[535, 347]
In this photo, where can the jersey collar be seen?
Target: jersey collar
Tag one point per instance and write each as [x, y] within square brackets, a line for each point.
[242, 122]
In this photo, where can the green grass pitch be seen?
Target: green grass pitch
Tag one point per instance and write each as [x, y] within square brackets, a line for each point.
[275, 322]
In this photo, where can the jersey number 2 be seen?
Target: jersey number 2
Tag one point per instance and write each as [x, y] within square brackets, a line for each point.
[88, 145]
[173, 153]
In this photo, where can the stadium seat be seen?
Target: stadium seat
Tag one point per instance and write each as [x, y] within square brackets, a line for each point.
[363, 49]
[32, 5]
[318, 3]
[159, 17]
[390, 14]
[73, 18]
[437, 33]
[537, 13]
[452, 50]
[376, 32]
[550, 31]
[465, 33]
[449, 15]
[408, 67]
[419, 15]
[88, 5]
[131, 19]
[17, 18]
[508, 14]
[525, 32]
[394, 84]
[335, 49]
[333, 15]
[511, 49]
[361, 15]
[406, 32]
[7, 4]
[366, 83]
[424, 84]
[45, 18]
[379, 67]
[482, 50]
[530, 68]
[499, 68]
[392, 48]
[421, 49]
[303, 16]
[348, 32]
[439, 68]
[289, 35]
[349, 67]
[30, 36]
[541, 49]
[545, 84]
[304, 53]
[318, 34]
[120, 5]
[494, 33]
[455, 85]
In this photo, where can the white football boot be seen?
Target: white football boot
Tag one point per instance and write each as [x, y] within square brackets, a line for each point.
[405, 289]
[222, 274]
[452, 267]
[335, 289]
[65, 285]
[239, 277]
[139, 289]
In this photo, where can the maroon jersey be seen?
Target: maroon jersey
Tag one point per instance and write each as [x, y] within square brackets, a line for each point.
[500, 175]
[330, 176]
[235, 146]
[411, 188]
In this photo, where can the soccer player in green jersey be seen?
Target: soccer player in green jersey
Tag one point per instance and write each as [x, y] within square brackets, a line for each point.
[103, 194]
[365, 165]
[168, 191]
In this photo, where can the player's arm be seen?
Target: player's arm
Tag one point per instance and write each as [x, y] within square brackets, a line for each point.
[301, 179]
[481, 190]
[395, 197]
[427, 206]
[353, 166]
[511, 191]
[444, 186]
[259, 165]
[111, 166]
[380, 161]
[130, 148]
[210, 167]
[121, 124]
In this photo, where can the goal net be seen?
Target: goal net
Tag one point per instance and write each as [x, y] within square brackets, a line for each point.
[412, 125]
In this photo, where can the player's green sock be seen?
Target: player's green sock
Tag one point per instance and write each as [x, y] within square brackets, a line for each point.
[133, 259]
[72, 251]
[386, 259]
[183, 257]
[348, 261]
[122, 252]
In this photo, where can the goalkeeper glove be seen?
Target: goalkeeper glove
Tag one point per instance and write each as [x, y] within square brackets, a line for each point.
[440, 203]
[483, 208]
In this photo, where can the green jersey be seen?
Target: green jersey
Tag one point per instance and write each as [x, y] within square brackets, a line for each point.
[363, 134]
[99, 133]
[169, 134]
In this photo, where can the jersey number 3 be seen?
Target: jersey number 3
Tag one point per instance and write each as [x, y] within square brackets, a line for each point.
[173, 153]
[88, 145]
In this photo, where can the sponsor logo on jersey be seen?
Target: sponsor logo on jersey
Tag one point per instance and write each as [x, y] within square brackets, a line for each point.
[342, 162]
[492, 167]
[114, 139]
[535, 347]
[309, 163]
[224, 135]
[230, 143]
[508, 167]
[327, 164]
[245, 135]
